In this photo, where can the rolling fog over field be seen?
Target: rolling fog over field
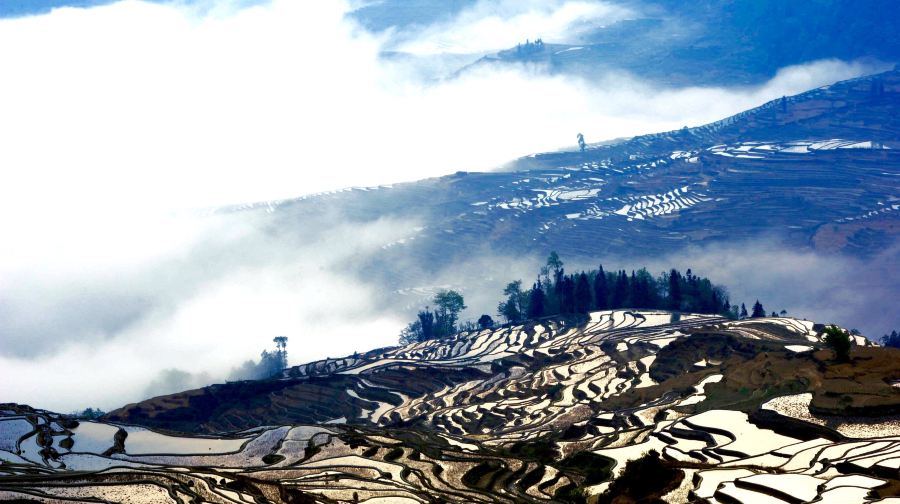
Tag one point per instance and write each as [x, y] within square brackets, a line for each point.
[118, 142]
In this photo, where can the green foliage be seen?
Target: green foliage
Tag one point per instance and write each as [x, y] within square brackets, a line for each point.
[594, 468]
[448, 305]
[449, 301]
[601, 290]
[582, 296]
[536, 301]
[554, 263]
[557, 293]
[562, 294]
[839, 342]
[514, 308]
[438, 323]
[89, 414]
[642, 480]
[412, 333]
[273, 363]
[509, 310]
[426, 323]
[674, 290]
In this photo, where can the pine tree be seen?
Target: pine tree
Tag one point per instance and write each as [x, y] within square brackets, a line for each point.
[426, 321]
[582, 294]
[601, 293]
[567, 295]
[674, 290]
[620, 291]
[536, 301]
[743, 314]
[559, 288]
[758, 310]
[891, 340]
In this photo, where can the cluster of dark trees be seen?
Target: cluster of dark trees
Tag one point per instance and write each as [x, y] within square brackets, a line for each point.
[438, 323]
[557, 293]
[89, 414]
[891, 340]
[271, 363]
[530, 47]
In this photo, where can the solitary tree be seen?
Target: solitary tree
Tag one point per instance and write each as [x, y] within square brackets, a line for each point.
[448, 304]
[281, 350]
[743, 314]
[554, 263]
[839, 342]
[513, 308]
[513, 292]
[581, 144]
[509, 310]
[758, 310]
[485, 321]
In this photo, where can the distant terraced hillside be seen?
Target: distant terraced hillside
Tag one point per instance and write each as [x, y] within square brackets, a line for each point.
[746, 411]
[818, 171]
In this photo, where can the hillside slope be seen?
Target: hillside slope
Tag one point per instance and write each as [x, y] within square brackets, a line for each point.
[543, 412]
[715, 42]
[817, 171]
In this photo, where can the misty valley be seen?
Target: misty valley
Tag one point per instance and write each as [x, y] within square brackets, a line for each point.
[450, 251]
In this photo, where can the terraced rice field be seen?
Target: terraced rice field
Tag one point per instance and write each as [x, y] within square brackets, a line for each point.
[488, 416]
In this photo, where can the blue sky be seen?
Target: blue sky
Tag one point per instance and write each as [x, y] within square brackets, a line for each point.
[13, 8]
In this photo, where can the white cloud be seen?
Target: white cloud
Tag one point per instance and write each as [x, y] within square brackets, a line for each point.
[492, 25]
[204, 306]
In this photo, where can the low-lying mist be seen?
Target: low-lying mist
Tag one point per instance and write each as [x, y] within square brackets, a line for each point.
[189, 312]
[114, 286]
[857, 293]
[72, 324]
